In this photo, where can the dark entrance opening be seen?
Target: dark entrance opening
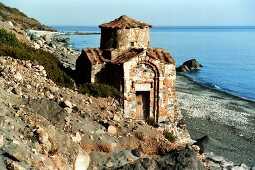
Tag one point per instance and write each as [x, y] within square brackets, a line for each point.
[142, 104]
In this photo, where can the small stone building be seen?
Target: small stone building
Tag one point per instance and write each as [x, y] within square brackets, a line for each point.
[144, 75]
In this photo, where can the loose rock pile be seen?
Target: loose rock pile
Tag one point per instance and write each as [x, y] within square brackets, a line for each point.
[58, 46]
[44, 126]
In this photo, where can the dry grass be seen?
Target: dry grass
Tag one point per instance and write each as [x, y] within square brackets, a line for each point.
[96, 146]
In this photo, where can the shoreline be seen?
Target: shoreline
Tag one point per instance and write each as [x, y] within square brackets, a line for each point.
[214, 88]
[59, 33]
[227, 120]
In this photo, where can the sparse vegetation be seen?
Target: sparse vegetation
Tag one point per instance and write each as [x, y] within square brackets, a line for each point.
[10, 46]
[169, 136]
[151, 121]
[18, 17]
[13, 11]
[8, 39]
[98, 90]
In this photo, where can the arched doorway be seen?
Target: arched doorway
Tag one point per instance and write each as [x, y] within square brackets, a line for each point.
[146, 90]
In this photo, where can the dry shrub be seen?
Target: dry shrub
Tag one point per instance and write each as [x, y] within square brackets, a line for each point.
[141, 135]
[169, 136]
[150, 146]
[130, 143]
[96, 146]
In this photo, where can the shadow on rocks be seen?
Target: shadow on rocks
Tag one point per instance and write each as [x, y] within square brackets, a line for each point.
[184, 159]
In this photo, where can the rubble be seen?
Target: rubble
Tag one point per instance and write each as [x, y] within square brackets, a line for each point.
[37, 130]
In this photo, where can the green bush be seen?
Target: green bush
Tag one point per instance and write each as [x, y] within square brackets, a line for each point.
[169, 136]
[10, 46]
[98, 90]
[8, 38]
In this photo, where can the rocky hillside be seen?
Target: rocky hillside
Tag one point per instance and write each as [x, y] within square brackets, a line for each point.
[44, 126]
[20, 19]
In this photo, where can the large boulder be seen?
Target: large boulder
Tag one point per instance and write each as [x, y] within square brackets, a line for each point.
[190, 65]
[48, 109]
[179, 159]
[47, 38]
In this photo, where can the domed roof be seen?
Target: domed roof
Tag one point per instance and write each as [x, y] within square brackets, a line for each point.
[125, 22]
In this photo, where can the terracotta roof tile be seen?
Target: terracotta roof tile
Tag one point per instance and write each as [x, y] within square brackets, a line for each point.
[126, 56]
[160, 54]
[124, 22]
[96, 55]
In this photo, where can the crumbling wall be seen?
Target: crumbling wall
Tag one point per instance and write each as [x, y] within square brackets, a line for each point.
[125, 38]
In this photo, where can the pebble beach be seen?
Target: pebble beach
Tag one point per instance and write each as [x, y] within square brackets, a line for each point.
[228, 121]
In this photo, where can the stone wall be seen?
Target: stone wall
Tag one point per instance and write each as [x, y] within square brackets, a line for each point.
[140, 72]
[96, 69]
[125, 38]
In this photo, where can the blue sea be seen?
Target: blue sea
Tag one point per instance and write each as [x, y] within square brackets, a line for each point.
[227, 53]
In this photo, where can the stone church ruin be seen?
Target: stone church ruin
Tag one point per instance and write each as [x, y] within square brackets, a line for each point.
[145, 76]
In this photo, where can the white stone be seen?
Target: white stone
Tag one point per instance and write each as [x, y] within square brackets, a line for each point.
[46, 37]
[39, 42]
[43, 136]
[68, 103]
[18, 76]
[100, 131]
[53, 89]
[41, 68]
[44, 73]
[216, 158]
[77, 137]
[10, 23]
[36, 46]
[196, 148]
[1, 141]
[82, 161]
[112, 130]
[116, 118]
[2, 61]
[68, 110]
[28, 65]
[16, 142]
[109, 164]
[245, 167]
[214, 166]
[113, 144]
[241, 167]
[50, 96]
[90, 101]
[29, 86]
[225, 163]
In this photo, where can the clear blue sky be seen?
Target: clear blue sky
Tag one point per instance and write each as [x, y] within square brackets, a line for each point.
[155, 12]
